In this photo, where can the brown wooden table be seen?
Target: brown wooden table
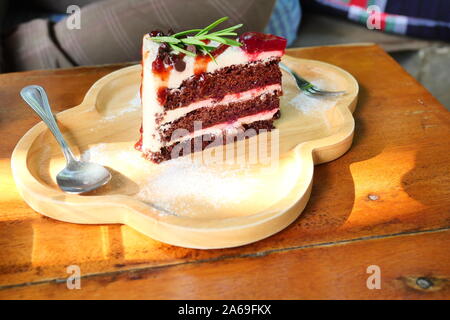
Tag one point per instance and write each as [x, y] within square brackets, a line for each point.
[385, 203]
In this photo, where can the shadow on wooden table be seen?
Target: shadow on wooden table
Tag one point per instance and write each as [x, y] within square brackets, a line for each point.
[333, 193]
[427, 182]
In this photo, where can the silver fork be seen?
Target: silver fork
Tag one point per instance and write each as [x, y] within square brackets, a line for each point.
[307, 86]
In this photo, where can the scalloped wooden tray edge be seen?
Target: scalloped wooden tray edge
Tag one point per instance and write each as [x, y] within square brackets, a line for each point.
[138, 215]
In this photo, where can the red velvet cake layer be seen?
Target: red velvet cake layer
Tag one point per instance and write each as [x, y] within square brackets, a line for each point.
[223, 113]
[202, 142]
[216, 85]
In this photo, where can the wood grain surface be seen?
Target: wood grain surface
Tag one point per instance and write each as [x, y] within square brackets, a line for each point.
[386, 202]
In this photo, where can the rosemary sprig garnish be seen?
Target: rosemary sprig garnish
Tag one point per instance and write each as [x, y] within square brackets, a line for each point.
[195, 37]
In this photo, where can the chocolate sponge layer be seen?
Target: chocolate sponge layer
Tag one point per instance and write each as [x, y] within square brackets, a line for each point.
[223, 113]
[215, 85]
[204, 142]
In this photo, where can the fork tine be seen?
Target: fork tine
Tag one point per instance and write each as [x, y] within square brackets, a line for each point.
[326, 93]
[307, 87]
[315, 91]
[309, 93]
[332, 93]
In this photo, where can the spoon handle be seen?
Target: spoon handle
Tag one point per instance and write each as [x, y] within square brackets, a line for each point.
[37, 99]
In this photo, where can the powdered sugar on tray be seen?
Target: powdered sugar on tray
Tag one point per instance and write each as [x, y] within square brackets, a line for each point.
[180, 181]
[102, 154]
[310, 105]
[313, 105]
[182, 186]
[96, 154]
[136, 101]
[134, 104]
[120, 113]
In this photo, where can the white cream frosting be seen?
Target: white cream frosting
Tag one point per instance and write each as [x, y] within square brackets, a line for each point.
[152, 109]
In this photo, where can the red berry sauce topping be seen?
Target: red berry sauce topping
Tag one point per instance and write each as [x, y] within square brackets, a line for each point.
[219, 50]
[256, 42]
[138, 145]
[165, 60]
[202, 60]
[162, 95]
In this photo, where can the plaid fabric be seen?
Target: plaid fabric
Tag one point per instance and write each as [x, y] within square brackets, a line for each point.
[428, 19]
[31, 47]
[285, 19]
[111, 31]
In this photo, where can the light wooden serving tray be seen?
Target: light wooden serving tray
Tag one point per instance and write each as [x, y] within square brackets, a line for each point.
[180, 202]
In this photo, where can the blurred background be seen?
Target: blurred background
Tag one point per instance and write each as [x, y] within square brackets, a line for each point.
[425, 54]
[47, 34]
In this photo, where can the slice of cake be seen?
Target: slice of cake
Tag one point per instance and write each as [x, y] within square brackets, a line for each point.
[199, 84]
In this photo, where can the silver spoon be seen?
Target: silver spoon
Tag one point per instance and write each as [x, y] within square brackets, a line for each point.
[77, 176]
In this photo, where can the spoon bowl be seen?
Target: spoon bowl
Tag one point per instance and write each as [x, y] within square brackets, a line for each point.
[77, 176]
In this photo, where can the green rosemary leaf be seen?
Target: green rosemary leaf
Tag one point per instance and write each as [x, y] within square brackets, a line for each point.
[182, 33]
[178, 49]
[165, 39]
[232, 42]
[212, 58]
[212, 25]
[193, 41]
[213, 38]
[180, 40]
[222, 40]
[225, 34]
[231, 28]
[208, 48]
